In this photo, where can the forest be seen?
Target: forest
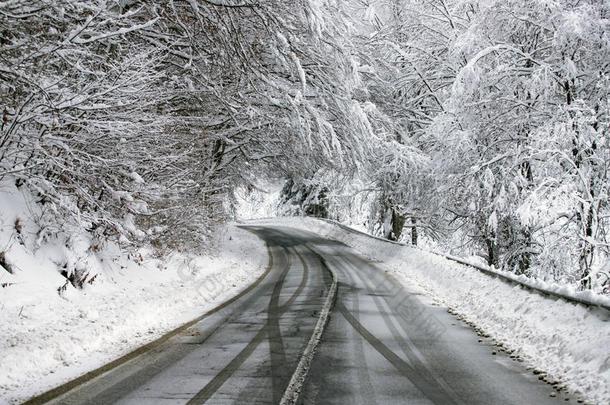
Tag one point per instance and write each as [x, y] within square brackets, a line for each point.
[479, 127]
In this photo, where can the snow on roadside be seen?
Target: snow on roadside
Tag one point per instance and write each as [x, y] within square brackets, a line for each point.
[47, 339]
[568, 341]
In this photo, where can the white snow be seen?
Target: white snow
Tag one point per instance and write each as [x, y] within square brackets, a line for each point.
[53, 332]
[568, 341]
[261, 201]
[136, 177]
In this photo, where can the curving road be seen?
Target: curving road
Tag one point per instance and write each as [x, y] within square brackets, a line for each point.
[384, 344]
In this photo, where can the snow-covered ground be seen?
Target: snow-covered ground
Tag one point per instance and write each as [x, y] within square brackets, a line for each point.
[567, 341]
[47, 339]
[52, 332]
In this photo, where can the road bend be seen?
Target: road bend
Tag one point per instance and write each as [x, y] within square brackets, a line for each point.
[384, 344]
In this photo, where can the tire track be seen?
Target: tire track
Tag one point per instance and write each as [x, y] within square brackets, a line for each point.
[409, 372]
[408, 347]
[151, 355]
[365, 386]
[441, 390]
[272, 332]
[292, 393]
[301, 286]
[417, 373]
[277, 353]
[219, 379]
[254, 388]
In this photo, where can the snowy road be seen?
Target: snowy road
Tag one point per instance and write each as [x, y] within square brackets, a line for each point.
[383, 344]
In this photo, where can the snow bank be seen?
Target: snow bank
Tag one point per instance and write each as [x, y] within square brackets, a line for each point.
[568, 341]
[561, 291]
[48, 338]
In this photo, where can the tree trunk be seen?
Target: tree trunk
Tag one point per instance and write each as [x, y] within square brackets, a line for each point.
[398, 223]
[393, 223]
[524, 261]
[414, 231]
[587, 249]
[492, 251]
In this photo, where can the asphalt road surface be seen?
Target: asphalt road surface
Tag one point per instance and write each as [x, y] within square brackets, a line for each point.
[384, 344]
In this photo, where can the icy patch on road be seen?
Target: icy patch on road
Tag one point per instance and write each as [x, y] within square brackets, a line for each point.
[47, 338]
[568, 341]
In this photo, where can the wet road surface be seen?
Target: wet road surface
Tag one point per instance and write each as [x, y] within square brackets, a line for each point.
[384, 344]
